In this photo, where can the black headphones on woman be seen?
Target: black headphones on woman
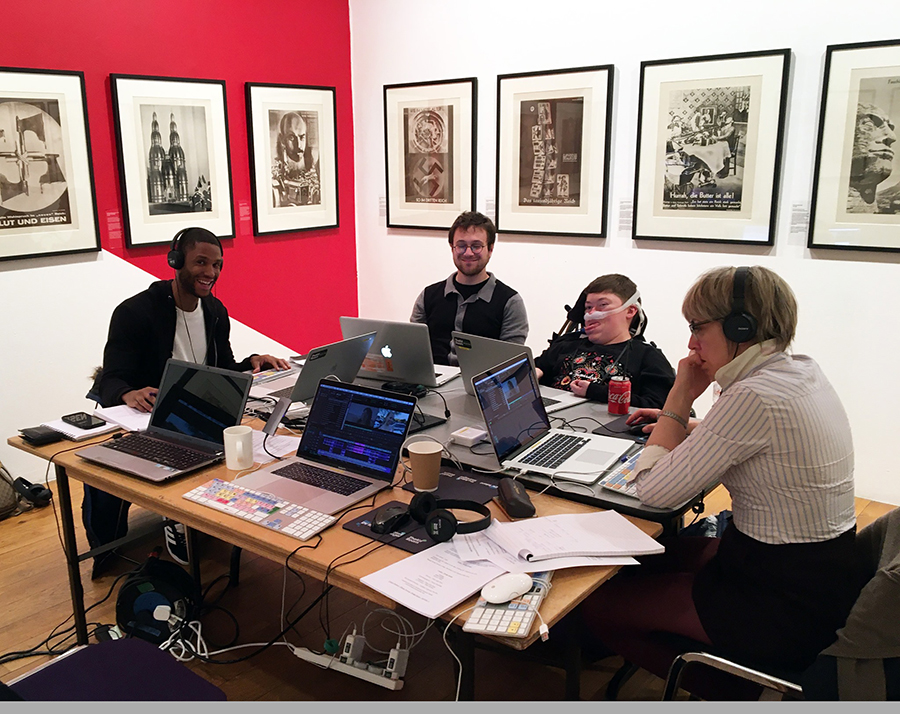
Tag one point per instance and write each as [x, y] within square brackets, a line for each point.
[739, 325]
[442, 525]
[175, 256]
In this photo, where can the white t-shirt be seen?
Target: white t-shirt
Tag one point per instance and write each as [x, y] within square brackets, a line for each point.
[190, 335]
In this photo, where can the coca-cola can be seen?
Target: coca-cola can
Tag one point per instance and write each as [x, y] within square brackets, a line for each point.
[619, 395]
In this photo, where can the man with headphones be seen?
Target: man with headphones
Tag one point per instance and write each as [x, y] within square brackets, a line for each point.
[610, 344]
[178, 318]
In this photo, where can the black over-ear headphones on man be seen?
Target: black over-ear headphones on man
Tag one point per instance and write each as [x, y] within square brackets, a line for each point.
[442, 525]
[175, 256]
[739, 325]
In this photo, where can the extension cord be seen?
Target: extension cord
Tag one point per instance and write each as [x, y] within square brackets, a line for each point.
[329, 662]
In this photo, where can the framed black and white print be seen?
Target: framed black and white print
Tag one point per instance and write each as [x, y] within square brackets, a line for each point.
[429, 143]
[174, 160]
[47, 204]
[293, 157]
[856, 187]
[553, 142]
[710, 135]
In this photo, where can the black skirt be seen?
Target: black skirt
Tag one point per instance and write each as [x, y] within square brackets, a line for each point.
[776, 606]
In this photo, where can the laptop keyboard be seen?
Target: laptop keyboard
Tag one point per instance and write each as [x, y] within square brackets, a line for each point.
[281, 393]
[321, 478]
[554, 451]
[548, 401]
[160, 452]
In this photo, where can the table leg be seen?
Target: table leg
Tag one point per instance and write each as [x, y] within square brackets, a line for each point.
[572, 659]
[194, 557]
[72, 562]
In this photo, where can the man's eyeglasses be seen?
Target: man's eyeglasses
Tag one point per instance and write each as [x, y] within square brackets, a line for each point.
[461, 248]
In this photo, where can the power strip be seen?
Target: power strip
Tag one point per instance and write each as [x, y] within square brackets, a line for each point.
[328, 662]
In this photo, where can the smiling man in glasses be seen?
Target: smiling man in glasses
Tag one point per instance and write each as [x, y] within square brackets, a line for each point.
[471, 300]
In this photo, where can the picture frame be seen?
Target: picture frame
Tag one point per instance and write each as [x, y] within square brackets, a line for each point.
[553, 151]
[709, 148]
[856, 181]
[47, 200]
[178, 178]
[292, 133]
[430, 139]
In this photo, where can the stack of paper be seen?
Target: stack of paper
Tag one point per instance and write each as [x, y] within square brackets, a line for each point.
[128, 418]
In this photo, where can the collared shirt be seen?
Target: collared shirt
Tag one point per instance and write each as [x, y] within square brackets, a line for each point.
[778, 439]
[496, 311]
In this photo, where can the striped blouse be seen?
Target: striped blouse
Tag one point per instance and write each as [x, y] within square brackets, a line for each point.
[779, 440]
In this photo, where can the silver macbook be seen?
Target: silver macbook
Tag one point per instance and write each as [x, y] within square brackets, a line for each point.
[341, 360]
[401, 352]
[349, 450]
[194, 404]
[519, 428]
[476, 354]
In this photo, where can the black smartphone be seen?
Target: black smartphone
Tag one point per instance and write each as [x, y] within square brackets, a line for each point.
[83, 420]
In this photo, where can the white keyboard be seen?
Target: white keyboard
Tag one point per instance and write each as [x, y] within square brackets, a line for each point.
[619, 479]
[509, 619]
[262, 508]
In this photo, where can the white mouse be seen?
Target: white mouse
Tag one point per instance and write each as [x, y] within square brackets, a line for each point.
[506, 587]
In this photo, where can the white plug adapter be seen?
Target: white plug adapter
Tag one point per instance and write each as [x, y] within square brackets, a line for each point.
[469, 436]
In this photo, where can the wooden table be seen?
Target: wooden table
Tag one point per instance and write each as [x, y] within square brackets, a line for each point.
[570, 586]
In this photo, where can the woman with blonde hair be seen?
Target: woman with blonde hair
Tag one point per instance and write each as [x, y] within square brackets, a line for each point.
[775, 587]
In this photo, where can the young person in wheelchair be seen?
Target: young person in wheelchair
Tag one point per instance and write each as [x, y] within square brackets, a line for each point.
[610, 343]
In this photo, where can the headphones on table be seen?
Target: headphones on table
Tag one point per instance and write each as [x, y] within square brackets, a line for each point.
[739, 325]
[175, 256]
[442, 525]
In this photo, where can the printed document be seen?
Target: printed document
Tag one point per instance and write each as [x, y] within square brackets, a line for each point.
[433, 581]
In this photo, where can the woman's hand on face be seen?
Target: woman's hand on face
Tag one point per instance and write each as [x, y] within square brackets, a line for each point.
[690, 378]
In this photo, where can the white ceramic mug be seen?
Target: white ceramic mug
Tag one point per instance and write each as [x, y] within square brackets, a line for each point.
[238, 447]
[425, 463]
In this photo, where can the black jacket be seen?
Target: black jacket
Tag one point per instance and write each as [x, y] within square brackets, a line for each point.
[141, 335]
[651, 374]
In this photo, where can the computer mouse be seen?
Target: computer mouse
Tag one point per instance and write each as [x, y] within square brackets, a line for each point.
[390, 517]
[638, 429]
[506, 587]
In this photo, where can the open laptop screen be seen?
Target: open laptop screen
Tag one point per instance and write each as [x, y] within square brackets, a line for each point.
[199, 401]
[511, 404]
[357, 427]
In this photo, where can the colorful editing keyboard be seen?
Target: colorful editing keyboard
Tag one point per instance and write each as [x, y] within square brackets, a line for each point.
[509, 619]
[618, 479]
[257, 507]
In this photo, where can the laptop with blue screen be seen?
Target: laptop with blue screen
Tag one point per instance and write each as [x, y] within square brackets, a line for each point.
[519, 428]
[349, 450]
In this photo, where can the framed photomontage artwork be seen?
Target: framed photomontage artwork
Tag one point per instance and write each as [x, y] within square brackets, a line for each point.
[856, 185]
[293, 157]
[553, 140]
[174, 162]
[47, 202]
[429, 144]
[710, 135]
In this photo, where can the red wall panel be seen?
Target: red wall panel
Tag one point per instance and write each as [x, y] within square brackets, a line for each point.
[291, 287]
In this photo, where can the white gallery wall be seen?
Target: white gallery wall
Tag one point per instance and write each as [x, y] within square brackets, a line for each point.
[54, 316]
[849, 301]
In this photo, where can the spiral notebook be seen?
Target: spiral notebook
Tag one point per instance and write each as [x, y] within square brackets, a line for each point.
[603, 533]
